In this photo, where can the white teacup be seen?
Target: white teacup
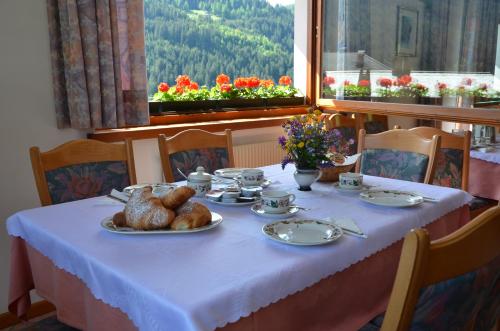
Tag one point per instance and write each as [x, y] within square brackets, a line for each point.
[276, 202]
[252, 177]
[351, 180]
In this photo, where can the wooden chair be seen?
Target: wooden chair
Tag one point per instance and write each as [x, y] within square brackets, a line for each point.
[398, 154]
[376, 123]
[346, 125]
[450, 283]
[452, 164]
[192, 148]
[81, 169]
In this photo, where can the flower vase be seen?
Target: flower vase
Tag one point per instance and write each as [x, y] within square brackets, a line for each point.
[305, 178]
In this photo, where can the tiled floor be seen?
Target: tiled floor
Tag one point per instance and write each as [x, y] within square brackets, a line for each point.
[47, 322]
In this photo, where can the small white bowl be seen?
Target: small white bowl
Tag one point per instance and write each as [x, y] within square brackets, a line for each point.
[251, 191]
[351, 180]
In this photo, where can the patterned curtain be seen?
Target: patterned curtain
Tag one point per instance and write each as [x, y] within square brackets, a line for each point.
[481, 21]
[98, 63]
[435, 31]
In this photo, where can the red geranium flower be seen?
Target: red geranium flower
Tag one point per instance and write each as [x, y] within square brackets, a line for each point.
[441, 86]
[483, 86]
[419, 86]
[328, 80]
[384, 82]
[347, 83]
[266, 82]
[467, 81]
[364, 83]
[163, 87]
[226, 88]
[285, 80]
[253, 82]
[194, 86]
[183, 81]
[179, 89]
[222, 79]
[241, 82]
[404, 80]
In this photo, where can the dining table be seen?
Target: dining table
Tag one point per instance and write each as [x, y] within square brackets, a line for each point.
[231, 277]
[484, 172]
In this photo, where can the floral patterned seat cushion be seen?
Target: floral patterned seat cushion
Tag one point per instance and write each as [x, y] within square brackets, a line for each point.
[449, 168]
[187, 161]
[454, 303]
[86, 180]
[391, 163]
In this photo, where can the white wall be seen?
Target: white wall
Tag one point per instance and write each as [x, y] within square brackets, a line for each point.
[27, 115]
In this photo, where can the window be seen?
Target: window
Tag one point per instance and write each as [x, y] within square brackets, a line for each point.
[191, 43]
[415, 52]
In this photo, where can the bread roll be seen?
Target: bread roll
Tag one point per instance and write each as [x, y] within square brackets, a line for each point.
[144, 211]
[191, 215]
[119, 219]
[177, 197]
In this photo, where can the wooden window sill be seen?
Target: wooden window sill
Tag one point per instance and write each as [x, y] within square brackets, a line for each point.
[463, 115]
[213, 122]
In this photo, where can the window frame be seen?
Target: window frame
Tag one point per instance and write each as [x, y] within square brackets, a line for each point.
[489, 116]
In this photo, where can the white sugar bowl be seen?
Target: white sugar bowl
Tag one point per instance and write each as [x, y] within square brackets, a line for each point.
[200, 181]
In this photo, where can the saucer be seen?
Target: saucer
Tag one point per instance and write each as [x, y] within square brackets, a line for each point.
[258, 210]
[350, 190]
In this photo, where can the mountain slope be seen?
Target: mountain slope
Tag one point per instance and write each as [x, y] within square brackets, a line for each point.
[202, 38]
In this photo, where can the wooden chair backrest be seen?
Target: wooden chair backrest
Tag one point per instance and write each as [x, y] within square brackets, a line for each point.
[401, 140]
[423, 263]
[192, 139]
[78, 152]
[339, 120]
[453, 141]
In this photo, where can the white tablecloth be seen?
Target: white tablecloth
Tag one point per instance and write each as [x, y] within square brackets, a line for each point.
[493, 156]
[204, 280]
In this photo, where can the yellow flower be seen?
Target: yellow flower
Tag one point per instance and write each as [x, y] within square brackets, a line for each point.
[300, 145]
[317, 112]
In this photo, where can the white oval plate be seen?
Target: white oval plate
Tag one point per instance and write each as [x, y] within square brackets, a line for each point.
[391, 198]
[229, 173]
[107, 224]
[233, 204]
[350, 190]
[302, 232]
[157, 187]
[258, 210]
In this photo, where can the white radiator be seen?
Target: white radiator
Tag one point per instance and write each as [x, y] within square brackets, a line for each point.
[258, 154]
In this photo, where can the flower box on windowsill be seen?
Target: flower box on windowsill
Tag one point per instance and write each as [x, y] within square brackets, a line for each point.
[291, 101]
[166, 107]
[185, 107]
[240, 103]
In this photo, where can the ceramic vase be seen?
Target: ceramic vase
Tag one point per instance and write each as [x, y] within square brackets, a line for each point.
[305, 178]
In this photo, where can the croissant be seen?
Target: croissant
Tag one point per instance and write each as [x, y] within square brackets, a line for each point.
[144, 211]
[177, 197]
[191, 215]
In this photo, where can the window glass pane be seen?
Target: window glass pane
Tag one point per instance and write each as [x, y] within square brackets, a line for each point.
[428, 52]
[205, 38]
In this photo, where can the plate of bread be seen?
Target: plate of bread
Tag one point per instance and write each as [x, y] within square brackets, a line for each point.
[169, 213]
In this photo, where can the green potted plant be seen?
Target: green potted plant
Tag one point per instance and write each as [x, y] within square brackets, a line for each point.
[360, 91]
[186, 96]
[329, 90]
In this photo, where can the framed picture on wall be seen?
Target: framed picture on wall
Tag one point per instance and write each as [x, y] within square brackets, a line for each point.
[407, 32]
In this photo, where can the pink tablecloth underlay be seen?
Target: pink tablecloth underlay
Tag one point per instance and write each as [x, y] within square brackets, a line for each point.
[484, 179]
[338, 302]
